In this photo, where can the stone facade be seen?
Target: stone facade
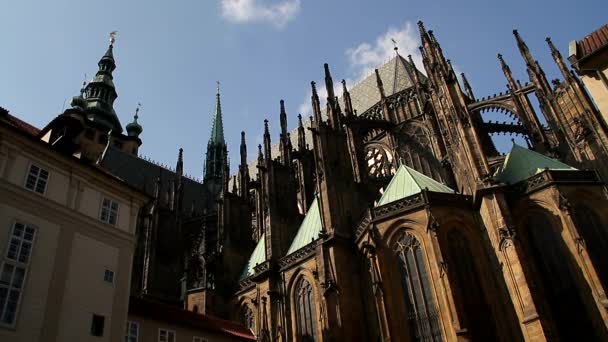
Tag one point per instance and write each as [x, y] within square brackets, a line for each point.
[481, 263]
[304, 244]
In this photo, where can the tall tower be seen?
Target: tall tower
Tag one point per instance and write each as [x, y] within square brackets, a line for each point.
[101, 93]
[217, 152]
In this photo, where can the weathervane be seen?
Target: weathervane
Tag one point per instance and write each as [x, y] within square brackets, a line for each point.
[113, 37]
[137, 110]
[394, 43]
[218, 86]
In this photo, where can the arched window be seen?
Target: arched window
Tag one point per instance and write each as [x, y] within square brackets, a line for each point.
[247, 317]
[596, 239]
[467, 289]
[554, 264]
[423, 317]
[305, 311]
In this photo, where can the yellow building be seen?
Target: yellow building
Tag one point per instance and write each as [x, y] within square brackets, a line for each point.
[589, 57]
[67, 236]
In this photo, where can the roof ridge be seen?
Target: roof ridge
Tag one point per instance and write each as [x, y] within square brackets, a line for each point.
[413, 176]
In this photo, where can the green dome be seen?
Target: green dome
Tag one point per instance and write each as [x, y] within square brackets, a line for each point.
[134, 129]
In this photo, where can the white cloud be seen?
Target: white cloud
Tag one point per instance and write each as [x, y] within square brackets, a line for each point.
[365, 57]
[245, 11]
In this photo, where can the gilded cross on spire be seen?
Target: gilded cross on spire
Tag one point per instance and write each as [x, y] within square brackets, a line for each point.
[113, 37]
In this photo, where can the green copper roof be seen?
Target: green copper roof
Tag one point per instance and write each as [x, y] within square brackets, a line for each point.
[522, 163]
[217, 131]
[407, 182]
[258, 256]
[309, 229]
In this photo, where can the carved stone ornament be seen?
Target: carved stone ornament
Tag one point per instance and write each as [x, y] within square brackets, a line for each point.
[433, 224]
[506, 234]
[580, 244]
[564, 203]
[443, 268]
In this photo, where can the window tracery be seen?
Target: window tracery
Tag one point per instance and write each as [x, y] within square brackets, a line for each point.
[423, 316]
[305, 311]
[379, 162]
[415, 150]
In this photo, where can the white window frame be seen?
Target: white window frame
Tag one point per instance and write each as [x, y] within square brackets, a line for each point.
[15, 263]
[128, 335]
[101, 209]
[37, 178]
[168, 332]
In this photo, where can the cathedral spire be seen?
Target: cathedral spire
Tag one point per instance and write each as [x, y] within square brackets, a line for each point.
[507, 71]
[284, 143]
[316, 104]
[243, 150]
[523, 49]
[301, 134]
[557, 57]
[267, 146]
[101, 93]
[217, 130]
[467, 87]
[179, 167]
[217, 151]
[260, 156]
[332, 108]
[348, 103]
[243, 169]
[534, 68]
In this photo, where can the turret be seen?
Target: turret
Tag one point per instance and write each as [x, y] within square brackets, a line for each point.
[101, 93]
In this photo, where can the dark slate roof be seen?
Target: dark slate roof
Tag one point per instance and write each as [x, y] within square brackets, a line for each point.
[142, 174]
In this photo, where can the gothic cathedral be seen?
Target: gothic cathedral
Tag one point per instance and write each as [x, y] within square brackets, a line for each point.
[389, 215]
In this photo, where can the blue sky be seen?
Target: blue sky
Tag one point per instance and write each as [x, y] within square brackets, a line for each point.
[170, 53]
